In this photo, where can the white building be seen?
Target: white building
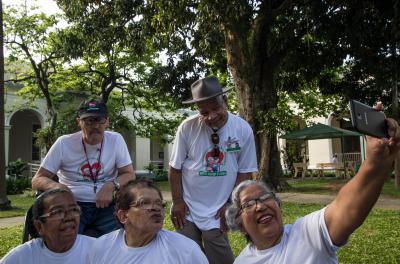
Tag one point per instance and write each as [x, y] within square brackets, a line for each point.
[348, 149]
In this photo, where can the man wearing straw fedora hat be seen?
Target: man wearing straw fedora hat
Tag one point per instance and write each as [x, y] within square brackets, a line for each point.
[213, 151]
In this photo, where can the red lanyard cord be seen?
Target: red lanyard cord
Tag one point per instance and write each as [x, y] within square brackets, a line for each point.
[93, 177]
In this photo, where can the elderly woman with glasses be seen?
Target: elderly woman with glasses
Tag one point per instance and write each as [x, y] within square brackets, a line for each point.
[316, 237]
[140, 211]
[56, 219]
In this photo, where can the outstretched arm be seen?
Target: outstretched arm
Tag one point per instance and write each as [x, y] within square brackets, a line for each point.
[356, 199]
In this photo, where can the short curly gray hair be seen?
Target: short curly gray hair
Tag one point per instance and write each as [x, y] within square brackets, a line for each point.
[232, 212]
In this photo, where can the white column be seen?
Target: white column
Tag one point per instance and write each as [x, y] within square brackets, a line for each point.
[142, 153]
[6, 141]
[363, 148]
[167, 154]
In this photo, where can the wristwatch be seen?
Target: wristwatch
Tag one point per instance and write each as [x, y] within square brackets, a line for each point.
[116, 184]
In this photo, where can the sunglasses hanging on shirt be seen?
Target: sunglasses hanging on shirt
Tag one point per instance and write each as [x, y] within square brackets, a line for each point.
[215, 141]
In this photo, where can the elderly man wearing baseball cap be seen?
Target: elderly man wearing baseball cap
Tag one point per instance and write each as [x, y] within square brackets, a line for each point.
[213, 151]
[92, 164]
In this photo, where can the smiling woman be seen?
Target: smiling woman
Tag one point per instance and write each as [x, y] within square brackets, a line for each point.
[256, 212]
[56, 218]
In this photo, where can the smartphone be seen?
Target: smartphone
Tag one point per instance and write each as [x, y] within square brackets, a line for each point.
[367, 120]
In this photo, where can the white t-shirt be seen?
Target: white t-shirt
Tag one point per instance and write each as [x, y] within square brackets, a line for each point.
[67, 158]
[208, 181]
[167, 247]
[35, 251]
[306, 241]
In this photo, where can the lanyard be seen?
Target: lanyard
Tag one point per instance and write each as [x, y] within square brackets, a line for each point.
[93, 177]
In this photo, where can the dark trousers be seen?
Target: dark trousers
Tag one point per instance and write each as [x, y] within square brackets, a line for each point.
[214, 243]
[95, 221]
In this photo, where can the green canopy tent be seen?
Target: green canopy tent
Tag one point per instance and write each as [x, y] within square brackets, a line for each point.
[320, 131]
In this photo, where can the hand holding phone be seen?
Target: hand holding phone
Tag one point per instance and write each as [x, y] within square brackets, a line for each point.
[367, 120]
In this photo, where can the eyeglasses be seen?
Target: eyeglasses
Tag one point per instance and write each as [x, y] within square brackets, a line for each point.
[149, 204]
[252, 204]
[215, 141]
[60, 213]
[94, 120]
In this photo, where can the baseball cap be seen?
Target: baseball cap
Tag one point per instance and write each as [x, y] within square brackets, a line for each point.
[92, 108]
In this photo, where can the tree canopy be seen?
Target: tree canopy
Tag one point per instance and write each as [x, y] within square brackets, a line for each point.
[86, 58]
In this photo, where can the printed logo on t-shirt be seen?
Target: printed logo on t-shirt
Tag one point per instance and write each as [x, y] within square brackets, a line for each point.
[213, 165]
[84, 170]
[232, 145]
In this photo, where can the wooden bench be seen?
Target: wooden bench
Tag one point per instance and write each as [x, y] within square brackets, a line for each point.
[300, 167]
[336, 167]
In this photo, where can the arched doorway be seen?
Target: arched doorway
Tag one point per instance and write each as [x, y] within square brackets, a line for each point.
[21, 140]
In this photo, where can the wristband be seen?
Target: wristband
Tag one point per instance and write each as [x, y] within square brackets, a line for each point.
[117, 186]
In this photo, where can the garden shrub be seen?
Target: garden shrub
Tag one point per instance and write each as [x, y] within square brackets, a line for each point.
[16, 168]
[17, 185]
[161, 175]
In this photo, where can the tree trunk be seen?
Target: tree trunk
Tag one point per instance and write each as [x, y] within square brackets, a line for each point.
[395, 97]
[397, 172]
[256, 93]
[395, 110]
[53, 123]
[265, 100]
[5, 204]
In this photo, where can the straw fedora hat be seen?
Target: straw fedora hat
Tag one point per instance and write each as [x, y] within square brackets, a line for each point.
[204, 89]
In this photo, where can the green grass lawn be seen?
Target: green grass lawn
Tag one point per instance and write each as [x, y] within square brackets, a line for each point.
[164, 186]
[10, 238]
[315, 185]
[20, 204]
[332, 186]
[376, 241]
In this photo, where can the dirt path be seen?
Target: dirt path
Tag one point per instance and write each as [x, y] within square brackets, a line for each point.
[384, 202]
[12, 221]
